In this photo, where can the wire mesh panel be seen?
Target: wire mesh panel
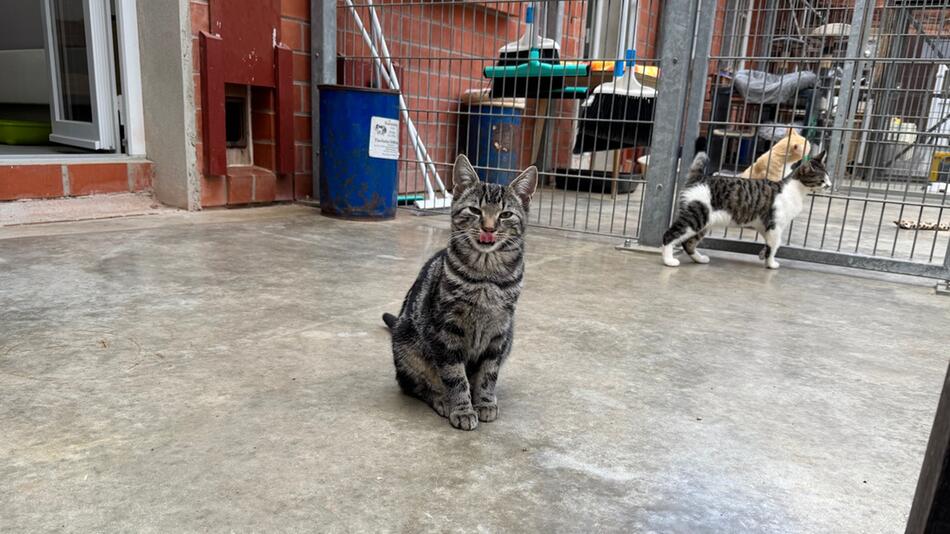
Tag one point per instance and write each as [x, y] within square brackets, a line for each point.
[567, 86]
[865, 80]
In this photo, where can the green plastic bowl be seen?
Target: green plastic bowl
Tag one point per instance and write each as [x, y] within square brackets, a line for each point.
[24, 132]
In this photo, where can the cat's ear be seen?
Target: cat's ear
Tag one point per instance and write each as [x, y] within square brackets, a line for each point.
[821, 156]
[524, 185]
[463, 175]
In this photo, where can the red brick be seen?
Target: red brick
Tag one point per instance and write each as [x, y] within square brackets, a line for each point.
[305, 35]
[200, 18]
[91, 178]
[30, 181]
[240, 170]
[303, 98]
[291, 34]
[213, 192]
[197, 78]
[140, 176]
[262, 126]
[200, 155]
[262, 99]
[195, 56]
[264, 155]
[303, 186]
[304, 157]
[265, 186]
[198, 124]
[295, 8]
[302, 130]
[301, 68]
[240, 189]
[284, 188]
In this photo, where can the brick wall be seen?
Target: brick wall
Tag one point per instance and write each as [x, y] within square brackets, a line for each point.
[259, 185]
[73, 179]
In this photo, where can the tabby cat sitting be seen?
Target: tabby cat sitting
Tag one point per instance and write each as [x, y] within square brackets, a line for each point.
[456, 324]
[764, 206]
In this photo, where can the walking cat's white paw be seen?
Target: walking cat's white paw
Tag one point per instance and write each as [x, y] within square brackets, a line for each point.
[668, 258]
[772, 264]
[699, 258]
[464, 419]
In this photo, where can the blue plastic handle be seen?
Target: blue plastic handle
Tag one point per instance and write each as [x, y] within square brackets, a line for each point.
[631, 56]
[618, 69]
[529, 14]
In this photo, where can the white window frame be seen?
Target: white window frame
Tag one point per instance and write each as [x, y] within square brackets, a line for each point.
[130, 107]
[101, 133]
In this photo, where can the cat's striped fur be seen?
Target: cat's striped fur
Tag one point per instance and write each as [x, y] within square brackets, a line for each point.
[762, 205]
[456, 325]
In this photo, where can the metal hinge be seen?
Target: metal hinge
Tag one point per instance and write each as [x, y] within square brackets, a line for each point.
[120, 107]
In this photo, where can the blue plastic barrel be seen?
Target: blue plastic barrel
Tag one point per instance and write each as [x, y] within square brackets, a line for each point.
[359, 148]
[490, 135]
[745, 151]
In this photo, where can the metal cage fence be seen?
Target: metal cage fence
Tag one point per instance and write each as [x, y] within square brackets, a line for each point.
[866, 81]
[604, 96]
[471, 86]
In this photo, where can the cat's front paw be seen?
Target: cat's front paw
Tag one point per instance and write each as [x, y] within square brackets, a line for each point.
[772, 264]
[464, 419]
[440, 407]
[488, 413]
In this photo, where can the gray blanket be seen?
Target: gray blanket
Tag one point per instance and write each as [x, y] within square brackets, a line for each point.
[764, 88]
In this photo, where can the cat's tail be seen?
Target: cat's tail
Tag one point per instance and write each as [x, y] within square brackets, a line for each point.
[698, 168]
[390, 321]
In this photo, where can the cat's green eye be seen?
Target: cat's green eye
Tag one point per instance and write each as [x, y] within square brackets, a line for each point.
[506, 214]
[475, 211]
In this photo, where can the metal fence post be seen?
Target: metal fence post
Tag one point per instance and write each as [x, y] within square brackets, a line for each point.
[696, 97]
[677, 23]
[323, 67]
[852, 73]
[553, 29]
[765, 41]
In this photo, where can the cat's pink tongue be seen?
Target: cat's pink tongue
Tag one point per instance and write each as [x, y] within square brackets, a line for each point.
[486, 237]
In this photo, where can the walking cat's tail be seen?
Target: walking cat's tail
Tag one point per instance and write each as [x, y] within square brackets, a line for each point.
[698, 168]
[390, 321]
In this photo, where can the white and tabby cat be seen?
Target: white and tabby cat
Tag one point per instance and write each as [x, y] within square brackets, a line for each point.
[762, 205]
[456, 324]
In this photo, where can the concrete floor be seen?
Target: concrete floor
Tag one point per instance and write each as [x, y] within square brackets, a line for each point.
[79, 208]
[229, 371]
